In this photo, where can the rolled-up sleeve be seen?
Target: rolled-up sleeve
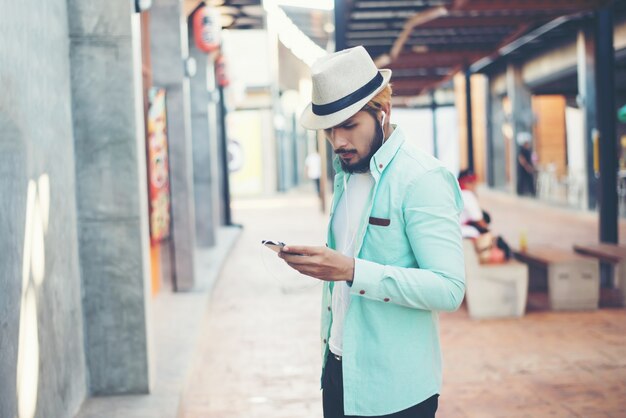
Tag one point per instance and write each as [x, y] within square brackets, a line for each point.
[431, 208]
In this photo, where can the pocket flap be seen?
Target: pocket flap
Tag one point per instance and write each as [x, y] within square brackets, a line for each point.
[379, 221]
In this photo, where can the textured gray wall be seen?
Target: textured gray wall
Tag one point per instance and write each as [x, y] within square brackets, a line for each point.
[168, 45]
[204, 181]
[111, 194]
[36, 139]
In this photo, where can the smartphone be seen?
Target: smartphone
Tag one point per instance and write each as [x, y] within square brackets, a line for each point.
[275, 246]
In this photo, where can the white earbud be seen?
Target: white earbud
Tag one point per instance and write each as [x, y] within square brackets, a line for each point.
[382, 124]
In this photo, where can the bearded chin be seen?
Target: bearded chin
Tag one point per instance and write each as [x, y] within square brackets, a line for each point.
[363, 165]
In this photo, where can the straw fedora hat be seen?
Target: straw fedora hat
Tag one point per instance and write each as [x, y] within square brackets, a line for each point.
[343, 82]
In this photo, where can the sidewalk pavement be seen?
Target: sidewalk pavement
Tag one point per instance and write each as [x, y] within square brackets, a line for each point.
[175, 325]
[259, 354]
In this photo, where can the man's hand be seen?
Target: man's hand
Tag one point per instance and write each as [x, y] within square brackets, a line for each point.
[319, 262]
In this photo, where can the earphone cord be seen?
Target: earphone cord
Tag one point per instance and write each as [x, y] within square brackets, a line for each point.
[382, 128]
[281, 282]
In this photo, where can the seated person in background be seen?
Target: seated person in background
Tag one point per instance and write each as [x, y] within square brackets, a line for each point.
[475, 223]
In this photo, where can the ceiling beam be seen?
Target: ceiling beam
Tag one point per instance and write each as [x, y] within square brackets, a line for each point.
[388, 4]
[414, 84]
[381, 14]
[415, 87]
[519, 31]
[564, 6]
[416, 20]
[437, 59]
[444, 41]
[468, 21]
[423, 32]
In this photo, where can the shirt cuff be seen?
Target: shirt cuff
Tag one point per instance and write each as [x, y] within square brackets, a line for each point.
[367, 277]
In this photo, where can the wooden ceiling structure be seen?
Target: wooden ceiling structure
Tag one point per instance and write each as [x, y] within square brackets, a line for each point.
[426, 42]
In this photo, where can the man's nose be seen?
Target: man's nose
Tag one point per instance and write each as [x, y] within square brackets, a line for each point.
[338, 139]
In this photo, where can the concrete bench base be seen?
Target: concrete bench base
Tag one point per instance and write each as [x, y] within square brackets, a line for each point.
[494, 290]
[573, 281]
[574, 285]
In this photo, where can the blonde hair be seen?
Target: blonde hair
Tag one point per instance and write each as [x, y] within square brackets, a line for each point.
[380, 100]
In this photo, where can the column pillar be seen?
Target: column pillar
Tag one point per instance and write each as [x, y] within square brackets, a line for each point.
[521, 113]
[169, 47]
[204, 182]
[433, 112]
[112, 200]
[587, 101]
[468, 115]
[490, 134]
[608, 146]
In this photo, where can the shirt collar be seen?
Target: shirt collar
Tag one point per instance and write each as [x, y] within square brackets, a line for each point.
[383, 156]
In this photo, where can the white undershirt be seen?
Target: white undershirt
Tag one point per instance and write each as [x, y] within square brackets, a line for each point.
[471, 212]
[346, 221]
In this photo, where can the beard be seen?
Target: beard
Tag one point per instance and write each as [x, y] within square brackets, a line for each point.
[363, 165]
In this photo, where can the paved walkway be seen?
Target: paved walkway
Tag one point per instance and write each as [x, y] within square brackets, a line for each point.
[172, 345]
[259, 353]
[259, 357]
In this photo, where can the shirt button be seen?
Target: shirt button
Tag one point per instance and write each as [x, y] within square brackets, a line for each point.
[362, 292]
[324, 340]
[329, 308]
[380, 166]
[386, 299]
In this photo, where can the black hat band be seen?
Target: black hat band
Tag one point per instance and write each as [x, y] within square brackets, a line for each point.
[350, 99]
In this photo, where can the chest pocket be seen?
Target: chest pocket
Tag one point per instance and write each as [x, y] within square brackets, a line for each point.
[385, 241]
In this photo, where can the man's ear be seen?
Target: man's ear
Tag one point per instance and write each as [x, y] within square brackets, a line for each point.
[387, 109]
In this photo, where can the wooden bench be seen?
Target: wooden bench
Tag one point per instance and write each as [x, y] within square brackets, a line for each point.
[614, 254]
[572, 281]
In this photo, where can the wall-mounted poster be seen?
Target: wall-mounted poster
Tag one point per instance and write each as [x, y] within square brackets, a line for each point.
[158, 167]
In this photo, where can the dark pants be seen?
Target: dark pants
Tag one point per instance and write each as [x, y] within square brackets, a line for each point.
[525, 183]
[332, 396]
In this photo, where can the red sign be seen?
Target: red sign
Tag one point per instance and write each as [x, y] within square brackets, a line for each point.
[206, 29]
[158, 167]
[220, 72]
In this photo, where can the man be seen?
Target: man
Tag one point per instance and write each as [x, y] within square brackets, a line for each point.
[313, 168]
[394, 255]
[525, 166]
[473, 221]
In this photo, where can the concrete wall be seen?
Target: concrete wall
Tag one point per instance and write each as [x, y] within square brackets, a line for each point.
[36, 144]
[111, 193]
[74, 268]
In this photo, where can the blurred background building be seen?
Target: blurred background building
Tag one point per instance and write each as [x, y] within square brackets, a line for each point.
[126, 128]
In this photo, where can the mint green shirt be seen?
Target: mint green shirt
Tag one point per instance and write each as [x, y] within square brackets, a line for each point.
[409, 265]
